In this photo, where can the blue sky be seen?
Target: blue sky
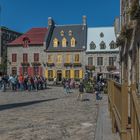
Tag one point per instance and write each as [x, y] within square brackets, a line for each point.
[21, 15]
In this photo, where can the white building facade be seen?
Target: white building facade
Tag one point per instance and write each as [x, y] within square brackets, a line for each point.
[102, 54]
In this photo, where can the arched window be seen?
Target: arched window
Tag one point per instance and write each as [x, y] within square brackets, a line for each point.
[55, 42]
[92, 46]
[64, 42]
[102, 45]
[112, 45]
[73, 42]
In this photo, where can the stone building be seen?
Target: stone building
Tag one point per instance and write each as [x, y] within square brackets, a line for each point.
[102, 54]
[65, 49]
[129, 41]
[6, 36]
[26, 53]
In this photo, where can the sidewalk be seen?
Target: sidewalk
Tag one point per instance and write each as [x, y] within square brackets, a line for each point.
[103, 129]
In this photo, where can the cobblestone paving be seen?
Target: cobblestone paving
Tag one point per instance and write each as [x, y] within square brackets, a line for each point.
[47, 115]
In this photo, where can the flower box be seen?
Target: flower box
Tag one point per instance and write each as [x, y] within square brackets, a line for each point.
[67, 64]
[89, 67]
[110, 68]
[77, 64]
[50, 64]
[25, 64]
[36, 64]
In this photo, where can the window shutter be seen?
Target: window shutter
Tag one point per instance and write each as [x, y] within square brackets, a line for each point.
[63, 75]
[29, 71]
[71, 73]
[54, 75]
[81, 74]
[46, 73]
[40, 71]
[20, 70]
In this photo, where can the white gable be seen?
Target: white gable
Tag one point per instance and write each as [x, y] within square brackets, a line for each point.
[107, 38]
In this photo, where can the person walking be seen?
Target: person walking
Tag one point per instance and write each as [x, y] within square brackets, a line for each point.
[81, 91]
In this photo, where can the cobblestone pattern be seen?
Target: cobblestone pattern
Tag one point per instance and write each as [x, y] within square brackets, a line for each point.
[47, 115]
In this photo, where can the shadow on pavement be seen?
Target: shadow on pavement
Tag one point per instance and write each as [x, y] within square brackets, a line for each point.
[16, 105]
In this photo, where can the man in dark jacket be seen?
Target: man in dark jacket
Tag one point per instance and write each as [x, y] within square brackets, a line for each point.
[81, 91]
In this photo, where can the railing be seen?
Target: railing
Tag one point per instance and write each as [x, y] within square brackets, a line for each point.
[120, 103]
[134, 114]
[118, 106]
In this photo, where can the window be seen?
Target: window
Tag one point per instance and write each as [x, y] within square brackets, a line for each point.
[102, 45]
[68, 58]
[50, 58]
[36, 70]
[111, 61]
[59, 58]
[64, 42]
[76, 59]
[14, 57]
[36, 57]
[67, 73]
[101, 34]
[99, 61]
[92, 46]
[25, 69]
[25, 57]
[14, 71]
[55, 42]
[112, 45]
[90, 61]
[50, 73]
[62, 33]
[73, 42]
[70, 33]
[76, 73]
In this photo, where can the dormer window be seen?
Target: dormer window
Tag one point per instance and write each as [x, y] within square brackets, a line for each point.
[64, 42]
[26, 42]
[70, 33]
[55, 42]
[92, 46]
[73, 42]
[112, 45]
[62, 33]
[102, 45]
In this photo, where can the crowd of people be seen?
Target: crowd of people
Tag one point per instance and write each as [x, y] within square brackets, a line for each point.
[22, 82]
[35, 83]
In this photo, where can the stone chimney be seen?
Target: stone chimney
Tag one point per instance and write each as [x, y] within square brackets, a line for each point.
[84, 20]
[50, 21]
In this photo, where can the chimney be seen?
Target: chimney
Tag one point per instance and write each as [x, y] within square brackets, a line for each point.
[50, 21]
[84, 20]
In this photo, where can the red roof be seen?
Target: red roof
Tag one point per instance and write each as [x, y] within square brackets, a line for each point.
[36, 36]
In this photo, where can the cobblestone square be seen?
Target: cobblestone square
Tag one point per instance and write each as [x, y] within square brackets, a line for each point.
[47, 115]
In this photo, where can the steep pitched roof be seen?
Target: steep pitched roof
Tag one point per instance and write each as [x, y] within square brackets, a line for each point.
[98, 35]
[79, 32]
[36, 36]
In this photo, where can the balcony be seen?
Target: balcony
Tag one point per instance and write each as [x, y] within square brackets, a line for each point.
[111, 68]
[25, 64]
[77, 64]
[90, 67]
[135, 10]
[67, 64]
[50, 64]
[36, 64]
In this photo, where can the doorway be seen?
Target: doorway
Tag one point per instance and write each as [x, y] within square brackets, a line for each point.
[59, 75]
